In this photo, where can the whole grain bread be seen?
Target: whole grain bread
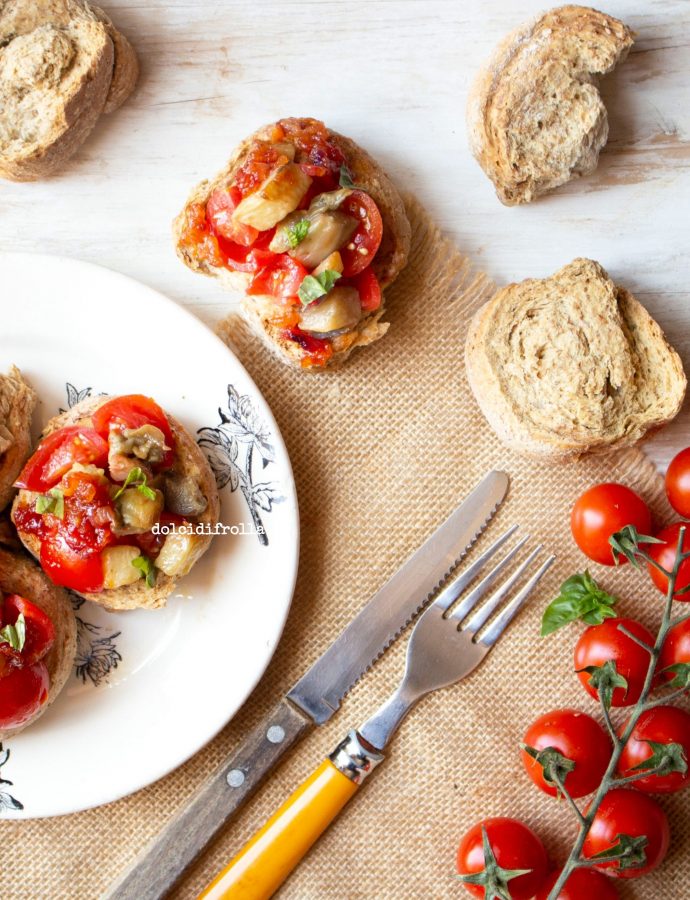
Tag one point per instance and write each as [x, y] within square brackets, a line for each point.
[571, 364]
[62, 64]
[388, 262]
[17, 403]
[189, 461]
[535, 115]
[19, 575]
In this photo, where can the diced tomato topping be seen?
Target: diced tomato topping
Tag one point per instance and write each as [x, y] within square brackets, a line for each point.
[279, 278]
[362, 246]
[317, 351]
[40, 631]
[196, 237]
[66, 567]
[261, 160]
[219, 209]
[133, 411]
[58, 452]
[22, 693]
[369, 290]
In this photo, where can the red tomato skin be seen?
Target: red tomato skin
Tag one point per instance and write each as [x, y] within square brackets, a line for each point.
[369, 290]
[57, 452]
[678, 483]
[582, 884]
[676, 649]
[664, 725]
[602, 511]
[22, 693]
[600, 643]
[665, 554]
[578, 737]
[632, 813]
[367, 236]
[515, 846]
[219, 209]
[40, 631]
[69, 569]
[132, 411]
[280, 278]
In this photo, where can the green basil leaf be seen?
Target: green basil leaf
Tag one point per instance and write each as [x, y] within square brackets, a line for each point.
[297, 232]
[148, 570]
[53, 502]
[580, 598]
[14, 635]
[346, 180]
[315, 286]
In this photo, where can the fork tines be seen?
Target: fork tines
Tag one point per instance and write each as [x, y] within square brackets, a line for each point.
[469, 603]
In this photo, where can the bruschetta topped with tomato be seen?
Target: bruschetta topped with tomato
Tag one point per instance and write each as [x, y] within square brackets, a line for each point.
[309, 228]
[38, 640]
[111, 500]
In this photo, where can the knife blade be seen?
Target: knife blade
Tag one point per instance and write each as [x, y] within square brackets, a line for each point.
[313, 699]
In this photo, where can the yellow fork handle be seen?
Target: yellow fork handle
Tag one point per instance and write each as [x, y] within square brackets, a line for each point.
[265, 862]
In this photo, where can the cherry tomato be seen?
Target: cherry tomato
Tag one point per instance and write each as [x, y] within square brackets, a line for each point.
[58, 452]
[676, 649]
[602, 511]
[40, 631]
[219, 209]
[579, 738]
[665, 555]
[369, 290]
[514, 845]
[604, 642]
[66, 567]
[582, 884]
[367, 238]
[678, 483]
[132, 411]
[663, 725]
[22, 693]
[634, 814]
[280, 278]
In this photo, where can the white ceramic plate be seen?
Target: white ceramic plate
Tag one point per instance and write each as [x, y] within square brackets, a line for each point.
[151, 687]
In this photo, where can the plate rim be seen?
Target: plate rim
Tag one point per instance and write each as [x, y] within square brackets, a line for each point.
[187, 315]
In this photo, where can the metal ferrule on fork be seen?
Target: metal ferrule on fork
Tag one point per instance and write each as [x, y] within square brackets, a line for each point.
[353, 759]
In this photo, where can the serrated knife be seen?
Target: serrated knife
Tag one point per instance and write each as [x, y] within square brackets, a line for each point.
[313, 700]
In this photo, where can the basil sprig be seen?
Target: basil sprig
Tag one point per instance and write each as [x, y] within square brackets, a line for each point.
[580, 598]
[53, 502]
[14, 635]
[315, 286]
[136, 477]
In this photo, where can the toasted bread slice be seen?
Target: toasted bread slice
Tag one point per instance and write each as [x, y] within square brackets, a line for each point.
[189, 461]
[388, 262]
[18, 575]
[17, 403]
[571, 364]
[535, 116]
[126, 67]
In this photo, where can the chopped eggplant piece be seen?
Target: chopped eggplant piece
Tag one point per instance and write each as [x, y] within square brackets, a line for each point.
[130, 447]
[286, 148]
[328, 232]
[118, 570]
[279, 195]
[339, 310]
[177, 553]
[183, 496]
[330, 200]
[138, 512]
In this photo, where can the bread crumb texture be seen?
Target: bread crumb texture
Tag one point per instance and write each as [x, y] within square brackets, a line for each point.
[572, 363]
[535, 116]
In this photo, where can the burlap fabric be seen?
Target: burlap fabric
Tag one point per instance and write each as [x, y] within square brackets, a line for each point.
[382, 452]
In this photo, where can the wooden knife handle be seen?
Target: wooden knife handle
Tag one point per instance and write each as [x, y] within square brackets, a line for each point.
[163, 862]
[265, 862]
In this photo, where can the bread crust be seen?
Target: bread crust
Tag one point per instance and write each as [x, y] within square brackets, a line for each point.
[126, 65]
[389, 261]
[17, 403]
[18, 575]
[562, 51]
[602, 354]
[189, 460]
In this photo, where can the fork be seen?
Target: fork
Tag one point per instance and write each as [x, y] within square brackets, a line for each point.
[447, 643]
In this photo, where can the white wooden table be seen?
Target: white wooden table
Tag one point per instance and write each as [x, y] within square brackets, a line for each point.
[394, 75]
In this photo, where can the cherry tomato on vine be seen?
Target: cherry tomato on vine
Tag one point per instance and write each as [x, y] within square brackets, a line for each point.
[630, 813]
[514, 847]
[580, 739]
[676, 649]
[602, 511]
[665, 555]
[601, 643]
[582, 884]
[662, 725]
[678, 483]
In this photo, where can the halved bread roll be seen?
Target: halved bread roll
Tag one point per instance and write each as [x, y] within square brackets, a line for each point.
[18, 575]
[61, 65]
[571, 364]
[262, 312]
[17, 403]
[535, 116]
[189, 463]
